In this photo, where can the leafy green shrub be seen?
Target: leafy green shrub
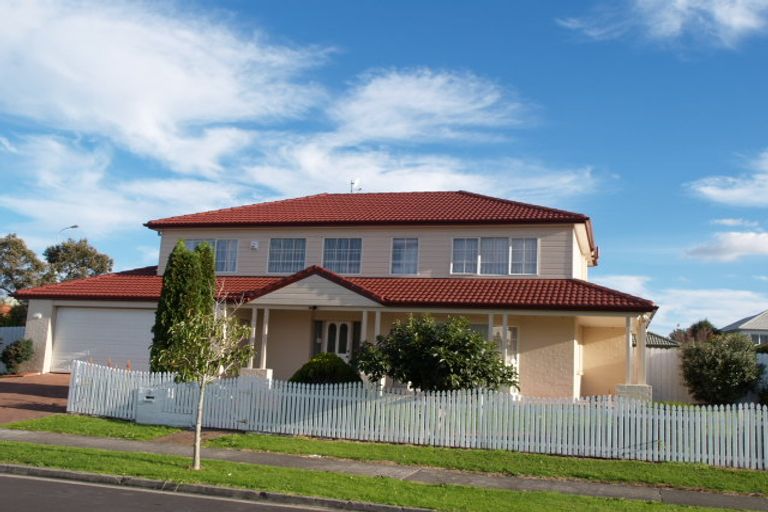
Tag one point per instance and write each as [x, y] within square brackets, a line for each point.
[436, 356]
[17, 353]
[762, 349]
[325, 369]
[722, 369]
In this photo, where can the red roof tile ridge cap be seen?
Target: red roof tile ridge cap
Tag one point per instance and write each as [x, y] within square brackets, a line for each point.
[173, 218]
[612, 290]
[521, 203]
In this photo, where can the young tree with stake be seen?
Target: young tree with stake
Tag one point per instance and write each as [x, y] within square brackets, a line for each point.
[205, 347]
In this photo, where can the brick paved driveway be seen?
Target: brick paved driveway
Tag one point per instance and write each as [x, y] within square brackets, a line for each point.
[34, 396]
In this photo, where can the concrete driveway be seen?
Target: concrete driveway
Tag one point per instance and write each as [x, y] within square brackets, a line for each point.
[34, 396]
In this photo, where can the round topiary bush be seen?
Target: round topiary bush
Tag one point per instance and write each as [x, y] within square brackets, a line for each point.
[325, 369]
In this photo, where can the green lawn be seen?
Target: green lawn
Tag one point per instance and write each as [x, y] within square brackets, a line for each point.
[94, 427]
[689, 476]
[312, 483]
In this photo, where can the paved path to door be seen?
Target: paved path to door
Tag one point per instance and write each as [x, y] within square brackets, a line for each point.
[33, 396]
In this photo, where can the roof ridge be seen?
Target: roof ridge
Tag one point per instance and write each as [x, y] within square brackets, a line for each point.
[521, 203]
[231, 208]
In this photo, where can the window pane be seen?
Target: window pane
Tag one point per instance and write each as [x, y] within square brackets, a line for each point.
[192, 244]
[343, 333]
[405, 255]
[464, 256]
[494, 256]
[524, 255]
[226, 255]
[286, 254]
[331, 338]
[342, 255]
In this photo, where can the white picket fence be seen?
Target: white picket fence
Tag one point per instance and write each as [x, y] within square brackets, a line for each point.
[735, 436]
[664, 375]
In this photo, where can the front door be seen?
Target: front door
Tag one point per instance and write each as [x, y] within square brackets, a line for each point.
[338, 338]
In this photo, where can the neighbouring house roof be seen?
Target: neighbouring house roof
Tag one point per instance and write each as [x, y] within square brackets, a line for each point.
[542, 294]
[653, 340]
[758, 322]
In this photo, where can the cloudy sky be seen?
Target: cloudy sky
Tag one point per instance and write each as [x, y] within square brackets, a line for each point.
[648, 115]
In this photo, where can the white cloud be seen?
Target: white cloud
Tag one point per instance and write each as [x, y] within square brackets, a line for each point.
[155, 80]
[761, 278]
[748, 189]
[731, 246]
[627, 283]
[421, 104]
[67, 183]
[722, 22]
[736, 223]
[683, 306]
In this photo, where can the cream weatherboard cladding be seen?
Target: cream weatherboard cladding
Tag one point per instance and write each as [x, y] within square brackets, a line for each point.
[435, 245]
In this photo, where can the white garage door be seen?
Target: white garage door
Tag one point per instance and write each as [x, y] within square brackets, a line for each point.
[106, 336]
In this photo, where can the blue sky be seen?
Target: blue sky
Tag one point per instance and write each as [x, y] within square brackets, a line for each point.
[648, 115]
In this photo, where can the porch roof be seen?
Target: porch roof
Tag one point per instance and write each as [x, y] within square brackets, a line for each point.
[481, 293]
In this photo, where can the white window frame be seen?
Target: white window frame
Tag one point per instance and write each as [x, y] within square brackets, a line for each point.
[269, 255]
[509, 272]
[392, 256]
[214, 245]
[453, 242]
[538, 256]
[362, 249]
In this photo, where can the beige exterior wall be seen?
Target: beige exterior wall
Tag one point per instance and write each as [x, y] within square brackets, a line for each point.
[546, 355]
[604, 360]
[435, 245]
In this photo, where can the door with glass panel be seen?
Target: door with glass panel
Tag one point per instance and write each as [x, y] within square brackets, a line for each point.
[338, 339]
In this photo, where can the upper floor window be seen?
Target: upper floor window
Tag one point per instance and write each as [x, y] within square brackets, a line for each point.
[760, 339]
[405, 255]
[343, 255]
[465, 252]
[525, 256]
[495, 256]
[286, 254]
[225, 252]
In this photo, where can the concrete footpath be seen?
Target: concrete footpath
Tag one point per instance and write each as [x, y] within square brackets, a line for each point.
[408, 473]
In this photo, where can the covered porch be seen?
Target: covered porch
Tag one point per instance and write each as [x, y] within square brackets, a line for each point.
[557, 354]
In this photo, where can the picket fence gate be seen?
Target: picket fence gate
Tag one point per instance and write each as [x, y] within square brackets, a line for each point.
[605, 427]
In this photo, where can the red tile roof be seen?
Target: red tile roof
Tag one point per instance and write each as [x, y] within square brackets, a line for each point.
[377, 208]
[509, 293]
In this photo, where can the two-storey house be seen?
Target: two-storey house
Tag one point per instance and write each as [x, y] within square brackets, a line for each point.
[323, 273]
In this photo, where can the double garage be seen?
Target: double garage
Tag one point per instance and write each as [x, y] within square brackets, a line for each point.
[116, 336]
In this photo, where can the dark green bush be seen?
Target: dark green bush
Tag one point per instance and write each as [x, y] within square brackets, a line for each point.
[436, 356]
[762, 396]
[721, 370]
[17, 353]
[325, 369]
[762, 349]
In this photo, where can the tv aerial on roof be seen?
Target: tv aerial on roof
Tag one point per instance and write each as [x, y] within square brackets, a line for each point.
[354, 185]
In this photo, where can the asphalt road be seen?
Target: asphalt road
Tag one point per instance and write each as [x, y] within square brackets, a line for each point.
[33, 494]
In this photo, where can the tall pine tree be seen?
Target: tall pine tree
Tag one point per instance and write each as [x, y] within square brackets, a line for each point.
[189, 286]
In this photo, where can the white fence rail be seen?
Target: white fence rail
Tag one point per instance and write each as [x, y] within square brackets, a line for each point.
[664, 375]
[735, 436]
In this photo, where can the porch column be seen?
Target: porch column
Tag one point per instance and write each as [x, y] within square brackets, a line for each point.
[364, 327]
[630, 361]
[252, 340]
[377, 324]
[642, 327]
[264, 337]
[505, 336]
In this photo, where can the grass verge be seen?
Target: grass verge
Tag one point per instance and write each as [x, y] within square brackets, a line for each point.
[667, 474]
[93, 427]
[448, 498]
